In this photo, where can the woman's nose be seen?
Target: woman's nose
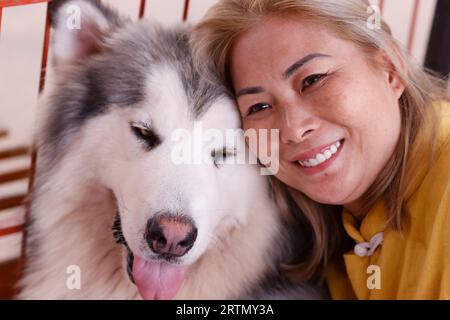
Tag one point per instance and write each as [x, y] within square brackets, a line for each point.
[296, 124]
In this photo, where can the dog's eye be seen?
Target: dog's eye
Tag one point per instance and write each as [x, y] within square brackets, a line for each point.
[145, 135]
[144, 132]
[220, 155]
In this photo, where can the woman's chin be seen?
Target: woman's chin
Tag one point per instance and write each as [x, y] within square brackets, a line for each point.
[329, 195]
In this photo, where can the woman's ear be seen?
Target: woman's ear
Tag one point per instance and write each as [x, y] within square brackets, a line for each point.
[394, 70]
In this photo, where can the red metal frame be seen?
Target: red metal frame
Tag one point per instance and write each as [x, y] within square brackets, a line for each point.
[412, 30]
[11, 230]
[45, 51]
[13, 3]
[142, 9]
[185, 10]
[413, 25]
[1, 11]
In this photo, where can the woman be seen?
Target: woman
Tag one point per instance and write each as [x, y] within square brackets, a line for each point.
[364, 139]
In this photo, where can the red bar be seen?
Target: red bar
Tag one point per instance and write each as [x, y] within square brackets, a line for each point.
[381, 5]
[1, 11]
[186, 10]
[142, 9]
[13, 3]
[10, 230]
[45, 51]
[412, 30]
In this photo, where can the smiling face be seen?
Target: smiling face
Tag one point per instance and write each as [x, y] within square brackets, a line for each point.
[337, 113]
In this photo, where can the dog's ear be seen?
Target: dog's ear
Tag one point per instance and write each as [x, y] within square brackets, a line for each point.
[80, 28]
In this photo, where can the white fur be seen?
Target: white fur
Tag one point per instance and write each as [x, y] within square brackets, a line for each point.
[73, 205]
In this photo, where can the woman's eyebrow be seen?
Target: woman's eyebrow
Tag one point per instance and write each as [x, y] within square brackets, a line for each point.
[300, 63]
[249, 90]
[288, 73]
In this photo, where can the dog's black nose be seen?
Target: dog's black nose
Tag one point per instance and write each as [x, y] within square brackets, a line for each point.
[170, 235]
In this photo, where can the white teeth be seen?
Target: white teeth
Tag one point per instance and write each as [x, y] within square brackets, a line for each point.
[321, 157]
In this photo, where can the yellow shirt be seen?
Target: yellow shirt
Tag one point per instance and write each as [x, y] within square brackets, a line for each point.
[414, 264]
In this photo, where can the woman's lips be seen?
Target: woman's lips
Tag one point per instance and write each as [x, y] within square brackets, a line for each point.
[315, 162]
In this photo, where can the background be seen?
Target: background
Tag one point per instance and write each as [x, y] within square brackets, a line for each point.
[421, 26]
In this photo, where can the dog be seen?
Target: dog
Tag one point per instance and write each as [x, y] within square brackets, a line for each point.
[111, 206]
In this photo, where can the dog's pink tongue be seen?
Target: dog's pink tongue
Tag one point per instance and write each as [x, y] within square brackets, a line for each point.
[157, 280]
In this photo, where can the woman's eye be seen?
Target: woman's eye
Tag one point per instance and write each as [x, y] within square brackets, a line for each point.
[258, 107]
[309, 81]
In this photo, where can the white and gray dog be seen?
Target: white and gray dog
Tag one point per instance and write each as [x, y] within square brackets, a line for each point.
[106, 175]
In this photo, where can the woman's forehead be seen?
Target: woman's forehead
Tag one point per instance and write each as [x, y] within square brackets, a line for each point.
[276, 45]
[288, 39]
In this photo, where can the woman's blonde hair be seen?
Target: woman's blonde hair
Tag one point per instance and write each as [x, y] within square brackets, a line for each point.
[213, 39]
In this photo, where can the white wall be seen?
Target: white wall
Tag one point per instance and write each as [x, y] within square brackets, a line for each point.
[399, 14]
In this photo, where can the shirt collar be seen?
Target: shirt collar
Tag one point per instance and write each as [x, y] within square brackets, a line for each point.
[374, 222]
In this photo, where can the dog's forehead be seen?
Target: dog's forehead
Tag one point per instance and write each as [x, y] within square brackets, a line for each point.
[146, 51]
[170, 103]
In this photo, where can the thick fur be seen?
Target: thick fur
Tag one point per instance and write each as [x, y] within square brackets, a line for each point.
[91, 165]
